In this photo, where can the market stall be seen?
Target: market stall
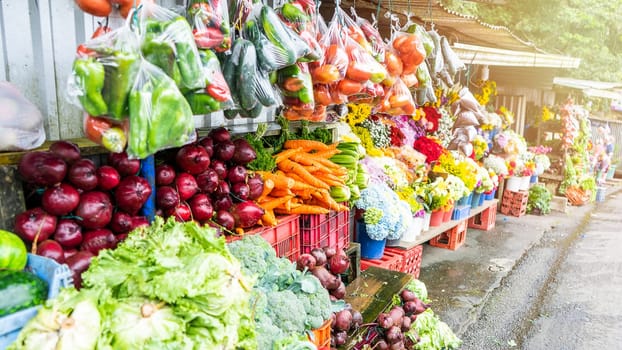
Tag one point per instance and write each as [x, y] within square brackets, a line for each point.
[172, 236]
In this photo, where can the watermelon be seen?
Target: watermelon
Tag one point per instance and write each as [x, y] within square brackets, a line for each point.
[20, 290]
[13, 254]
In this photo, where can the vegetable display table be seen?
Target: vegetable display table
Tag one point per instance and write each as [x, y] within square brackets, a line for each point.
[437, 230]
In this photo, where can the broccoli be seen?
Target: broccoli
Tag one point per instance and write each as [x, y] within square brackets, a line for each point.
[286, 311]
[254, 253]
[317, 306]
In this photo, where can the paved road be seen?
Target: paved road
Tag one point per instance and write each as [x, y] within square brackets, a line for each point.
[562, 293]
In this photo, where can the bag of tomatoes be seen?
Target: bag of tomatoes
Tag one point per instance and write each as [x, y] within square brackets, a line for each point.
[398, 100]
[210, 24]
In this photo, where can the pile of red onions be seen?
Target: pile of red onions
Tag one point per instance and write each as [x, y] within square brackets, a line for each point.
[207, 181]
[81, 207]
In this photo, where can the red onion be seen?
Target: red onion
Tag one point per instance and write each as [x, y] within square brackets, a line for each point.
[339, 263]
[222, 202]
[60, 200]
[51, 249]
[99, 239]
[165, 175]
[68, 151]
[219, 135]
[220, 168]
[255, 186]
[123, 164]
[95, 209]
[166, 197]
[305, 261]
[207, 181]
[201, 207]
[244, 152]
[181, 212]
[35, 221]
[68, 233]
[83, 174]
[186, 186]
[207, 143]
[193, 159]
[240, 190]
[107, 178]
[132, 193]
[121, 222]
[236, 174]
[225, 219]
[224, 150]
[246, 214]
[78, 263]
[42, 168]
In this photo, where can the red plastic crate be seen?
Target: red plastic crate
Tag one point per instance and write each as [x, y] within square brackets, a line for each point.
[284, 237]
[389, 261]
[451, 239]
[514, 203]
[411, 259]
[321, 336]
[485, 220]
[321, 230]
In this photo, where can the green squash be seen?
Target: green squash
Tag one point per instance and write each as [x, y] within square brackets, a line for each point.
[13, 254]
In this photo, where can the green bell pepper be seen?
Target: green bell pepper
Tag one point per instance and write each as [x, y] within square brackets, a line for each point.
[91, 76]
[120, 77]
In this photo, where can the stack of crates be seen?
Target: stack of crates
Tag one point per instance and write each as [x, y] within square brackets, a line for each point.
[514, 203]
[325, 230]
[451, 239]
[485, 220]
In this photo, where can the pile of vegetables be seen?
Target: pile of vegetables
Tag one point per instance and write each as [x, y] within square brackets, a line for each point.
[327, 264]
[170, 285]
[76, 207]
[207, 181]
[287, 303]
[410, 323]
[302, 184]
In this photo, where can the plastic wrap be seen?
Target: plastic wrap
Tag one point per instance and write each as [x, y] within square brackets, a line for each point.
[410, 50]
[372, 35]
[216, 96]
[167, 42]
[160, 116]
[21, 123]
[112, 135]
[297, 90]
[210, 24]
[398, 100]
[103, 73]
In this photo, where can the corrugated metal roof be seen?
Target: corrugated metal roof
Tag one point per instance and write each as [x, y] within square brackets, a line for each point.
[592, 88]
[473, 54]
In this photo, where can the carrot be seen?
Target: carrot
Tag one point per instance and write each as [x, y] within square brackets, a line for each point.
[281, 181]
[304, 194]
[332, 182]
[325, 197]
[306, 209]
[274, 202]
[268, 218]
[306, 145]
[326, 154]
[268, 186]
[309, 160]
[285, 154]
[301, 186]
[281, 192]
[314, 169]
[292, 167]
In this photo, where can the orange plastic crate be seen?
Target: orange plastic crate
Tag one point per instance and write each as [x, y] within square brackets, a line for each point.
[284, 237]
[325, 230]
[389, 261]
[485, 220]
[411, 259]
[451, 239]
[514, 203]
[321, 336]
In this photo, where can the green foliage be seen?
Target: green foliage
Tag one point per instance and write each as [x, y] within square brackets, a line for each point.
[586, 29]
[539, 199]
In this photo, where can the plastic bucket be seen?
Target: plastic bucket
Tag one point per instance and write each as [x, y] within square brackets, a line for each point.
[533, 179]
[490, 195]
[370, 248]
[477, 197]
[466, 200]
[436, 218]
[524, 183]
[447, 214]
[600, 194]
[611, 172]
[426, 221]
[513, 184]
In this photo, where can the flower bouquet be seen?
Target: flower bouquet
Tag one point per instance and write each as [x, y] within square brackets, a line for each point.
[386, 215]
[430, 148]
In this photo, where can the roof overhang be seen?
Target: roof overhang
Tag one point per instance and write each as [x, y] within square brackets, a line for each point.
[473, 54]
[592, 88]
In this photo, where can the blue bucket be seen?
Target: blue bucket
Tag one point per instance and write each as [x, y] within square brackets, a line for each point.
[466, 200]
[477, 198]
[370, 248]
[600, 194]
[490, 196]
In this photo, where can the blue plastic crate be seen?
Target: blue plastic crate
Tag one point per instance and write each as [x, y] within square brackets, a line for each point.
[56, 275]
[461, 212]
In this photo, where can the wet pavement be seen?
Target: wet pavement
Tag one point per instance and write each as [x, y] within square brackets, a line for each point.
[534, 282]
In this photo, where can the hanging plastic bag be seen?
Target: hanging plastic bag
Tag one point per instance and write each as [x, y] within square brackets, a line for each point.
[354, 31]
[216, 96]
[282, 36]
[362, 67]
[103, 73]
[452, 61]
[334, 65]
[297, 90]
[299, 16]
[110, 134]
[410, 50]
[372, 35]
[160, 116]
[270, 57]
[398, 100]
[167, 42]
[21, 122]
[210, 24]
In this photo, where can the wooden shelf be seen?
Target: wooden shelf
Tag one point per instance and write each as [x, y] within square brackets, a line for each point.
[437, 230]
[87, 147]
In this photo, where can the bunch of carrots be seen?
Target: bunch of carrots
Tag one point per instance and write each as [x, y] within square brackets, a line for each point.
[302, 183]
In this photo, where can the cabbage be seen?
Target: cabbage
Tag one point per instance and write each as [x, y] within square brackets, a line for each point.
[138, 323]
[69, 322]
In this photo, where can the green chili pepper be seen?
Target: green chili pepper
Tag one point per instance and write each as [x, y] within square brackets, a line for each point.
[91, 76]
